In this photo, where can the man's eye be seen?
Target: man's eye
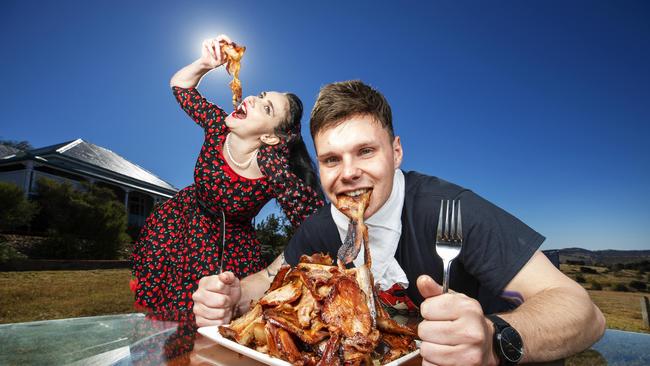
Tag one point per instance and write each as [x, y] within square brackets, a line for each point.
[331, 160]
[267, 109]
[366, 151]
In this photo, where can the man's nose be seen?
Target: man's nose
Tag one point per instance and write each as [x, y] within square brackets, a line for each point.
[351, 171]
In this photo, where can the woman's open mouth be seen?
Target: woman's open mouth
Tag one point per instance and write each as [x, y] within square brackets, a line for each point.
[240, 112]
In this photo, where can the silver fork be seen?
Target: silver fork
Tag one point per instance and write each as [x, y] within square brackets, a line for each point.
[449, 238]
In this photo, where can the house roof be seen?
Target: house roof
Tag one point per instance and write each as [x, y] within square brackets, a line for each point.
[6, 150]
[85, 152]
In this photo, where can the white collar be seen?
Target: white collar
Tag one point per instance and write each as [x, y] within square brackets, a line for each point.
[384, 231]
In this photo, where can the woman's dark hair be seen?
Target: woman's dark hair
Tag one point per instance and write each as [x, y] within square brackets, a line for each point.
[300, 162]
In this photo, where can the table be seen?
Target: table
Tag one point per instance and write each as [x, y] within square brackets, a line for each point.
[133, 339]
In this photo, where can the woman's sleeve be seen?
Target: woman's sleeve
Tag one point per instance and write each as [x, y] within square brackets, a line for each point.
[206, 114]
[297, 199]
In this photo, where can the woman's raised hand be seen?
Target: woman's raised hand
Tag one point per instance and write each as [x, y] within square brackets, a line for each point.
[211, 55]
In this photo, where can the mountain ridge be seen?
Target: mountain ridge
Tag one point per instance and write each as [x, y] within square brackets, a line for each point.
[606, 256]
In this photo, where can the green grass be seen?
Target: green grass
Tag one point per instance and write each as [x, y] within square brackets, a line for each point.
[30, 296]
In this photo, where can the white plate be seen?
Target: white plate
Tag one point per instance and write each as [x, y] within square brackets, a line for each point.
[213, 333]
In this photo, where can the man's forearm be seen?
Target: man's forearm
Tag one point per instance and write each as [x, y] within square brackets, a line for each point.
[254, 286]
[190, 75]
[557, 323]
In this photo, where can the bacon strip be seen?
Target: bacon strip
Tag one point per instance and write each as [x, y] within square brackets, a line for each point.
[233, 54]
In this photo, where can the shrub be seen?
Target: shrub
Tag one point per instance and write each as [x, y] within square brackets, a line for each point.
[82, 225]
[621, 287]
[588, 270]
[580, 279]
[15, 210]
[8, 253]
[595, 285]
[273, 233]
[575, 262]
[638, 285]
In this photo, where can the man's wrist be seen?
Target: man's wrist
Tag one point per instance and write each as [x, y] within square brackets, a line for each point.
[493, 359]
[507, 343]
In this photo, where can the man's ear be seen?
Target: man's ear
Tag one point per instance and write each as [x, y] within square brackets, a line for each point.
[398, 153]
[270, 139]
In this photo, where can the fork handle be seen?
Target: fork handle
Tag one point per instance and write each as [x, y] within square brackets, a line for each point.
[445, 277]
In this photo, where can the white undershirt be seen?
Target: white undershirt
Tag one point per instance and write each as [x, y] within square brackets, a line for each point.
[384, 231]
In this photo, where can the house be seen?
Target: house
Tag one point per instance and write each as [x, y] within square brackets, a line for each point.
[80, 161]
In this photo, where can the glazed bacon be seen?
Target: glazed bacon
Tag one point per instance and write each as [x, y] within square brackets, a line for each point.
[233, 54]
[354, 208]
[319, 313]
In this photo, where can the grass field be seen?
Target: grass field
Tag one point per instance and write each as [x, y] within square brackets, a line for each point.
[29, 296]
[622, 309]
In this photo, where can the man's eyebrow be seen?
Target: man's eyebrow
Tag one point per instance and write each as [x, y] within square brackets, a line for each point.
[359, 146]
[324, 155]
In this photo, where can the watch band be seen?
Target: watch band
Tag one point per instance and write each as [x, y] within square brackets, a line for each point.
[507, 343]
[498, 321]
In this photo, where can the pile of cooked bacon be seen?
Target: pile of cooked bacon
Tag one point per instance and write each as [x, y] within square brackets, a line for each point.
[321, 314]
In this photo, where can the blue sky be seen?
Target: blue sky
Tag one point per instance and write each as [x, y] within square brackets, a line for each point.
[542, 107]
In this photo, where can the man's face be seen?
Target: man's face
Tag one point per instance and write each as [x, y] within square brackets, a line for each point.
[358, 154]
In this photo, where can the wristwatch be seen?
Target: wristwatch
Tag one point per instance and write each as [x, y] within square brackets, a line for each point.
[507, 342]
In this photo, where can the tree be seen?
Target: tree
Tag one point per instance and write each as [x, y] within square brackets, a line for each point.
[20, 145]
[15, 210]
[88, 224]
[273, 233]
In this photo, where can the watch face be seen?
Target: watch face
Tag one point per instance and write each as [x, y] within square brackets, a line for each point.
[511, 344]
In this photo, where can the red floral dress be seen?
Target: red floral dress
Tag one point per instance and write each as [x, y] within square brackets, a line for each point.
[181, 241]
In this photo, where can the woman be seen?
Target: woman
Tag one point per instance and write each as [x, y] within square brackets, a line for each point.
[248, 157]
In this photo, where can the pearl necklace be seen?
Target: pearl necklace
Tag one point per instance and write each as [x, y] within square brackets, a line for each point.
[243, 165]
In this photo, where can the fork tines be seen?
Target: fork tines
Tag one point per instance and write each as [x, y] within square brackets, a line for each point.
[450, 231]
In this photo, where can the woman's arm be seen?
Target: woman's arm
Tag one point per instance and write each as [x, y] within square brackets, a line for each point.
[211, 58]
[185, 80]
[190, 75]
[297, 199]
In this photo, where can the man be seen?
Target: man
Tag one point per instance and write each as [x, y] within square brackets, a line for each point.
[351, 125]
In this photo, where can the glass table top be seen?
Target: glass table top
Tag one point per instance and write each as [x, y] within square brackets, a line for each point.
[134, 339]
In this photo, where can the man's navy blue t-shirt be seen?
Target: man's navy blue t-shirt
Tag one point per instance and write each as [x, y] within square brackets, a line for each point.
[496, 244]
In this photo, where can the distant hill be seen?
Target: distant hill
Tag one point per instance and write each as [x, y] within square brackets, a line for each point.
[603, 256]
